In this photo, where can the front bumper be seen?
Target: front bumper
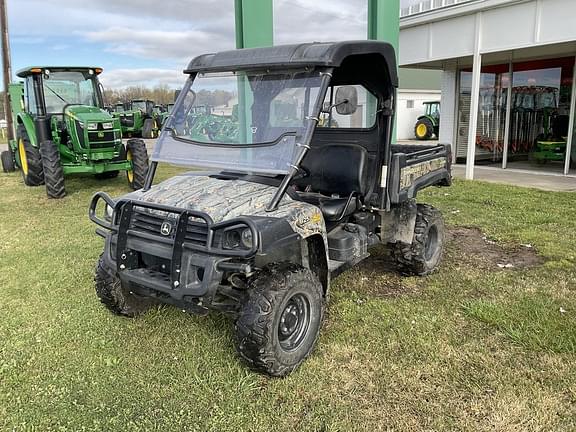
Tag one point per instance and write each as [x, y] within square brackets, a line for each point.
[184, 267]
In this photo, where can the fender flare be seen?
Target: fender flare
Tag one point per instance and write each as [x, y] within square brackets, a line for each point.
[26, 120]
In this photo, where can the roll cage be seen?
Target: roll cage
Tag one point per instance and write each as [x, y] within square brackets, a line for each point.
[367, 63]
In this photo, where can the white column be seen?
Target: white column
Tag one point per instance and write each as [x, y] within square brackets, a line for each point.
[448, 116]
[476, 70]
[508, 113]
[571, 123]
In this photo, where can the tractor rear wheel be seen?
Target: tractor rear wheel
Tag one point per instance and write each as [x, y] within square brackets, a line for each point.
[424, 129]
[280, 321]
[30, 159]
[7, 162]
[115, 296]
[148, 129]
[136, 153]
[53, 172]
[423, 256]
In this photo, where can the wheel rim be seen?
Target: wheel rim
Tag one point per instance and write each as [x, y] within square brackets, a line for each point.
[431, 243]
[130, 172]
[22, 154]
[294, 322]
[421, 130]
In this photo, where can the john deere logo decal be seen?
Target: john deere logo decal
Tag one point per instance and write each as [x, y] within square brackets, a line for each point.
[100, 134]
[166, 228]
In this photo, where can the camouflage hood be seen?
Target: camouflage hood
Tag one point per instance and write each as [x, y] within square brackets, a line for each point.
[227, 199]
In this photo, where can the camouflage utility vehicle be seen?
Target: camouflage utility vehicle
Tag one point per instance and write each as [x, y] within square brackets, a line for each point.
[290, 204]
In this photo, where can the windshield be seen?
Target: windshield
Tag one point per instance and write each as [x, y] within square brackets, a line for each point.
[247, 121]
[69, 87]
[139, 105]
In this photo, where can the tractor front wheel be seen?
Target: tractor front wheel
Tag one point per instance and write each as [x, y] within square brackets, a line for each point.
[30, 160]
[280, 321]
[7, 162]
[137, 154]
[424, 129]
[53, 172]
[148, 129]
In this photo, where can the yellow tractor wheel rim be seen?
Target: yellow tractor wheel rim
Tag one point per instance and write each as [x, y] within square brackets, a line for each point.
[421, 130]
[130, 172]
[22, 153]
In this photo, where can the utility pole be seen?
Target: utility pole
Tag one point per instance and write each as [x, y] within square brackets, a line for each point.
[6, 69]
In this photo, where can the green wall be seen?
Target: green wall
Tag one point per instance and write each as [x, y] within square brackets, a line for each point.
[419, 79]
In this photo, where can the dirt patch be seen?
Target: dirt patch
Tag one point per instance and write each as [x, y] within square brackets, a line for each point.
[471, 246]
[465, 246]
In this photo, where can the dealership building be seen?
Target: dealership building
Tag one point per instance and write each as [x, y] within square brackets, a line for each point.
[508, 79]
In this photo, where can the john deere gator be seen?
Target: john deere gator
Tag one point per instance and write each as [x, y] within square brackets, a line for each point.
[62, 128]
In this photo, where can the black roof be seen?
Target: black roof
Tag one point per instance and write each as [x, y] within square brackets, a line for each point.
[315, 54]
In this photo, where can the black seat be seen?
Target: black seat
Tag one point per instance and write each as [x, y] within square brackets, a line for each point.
[336, 177]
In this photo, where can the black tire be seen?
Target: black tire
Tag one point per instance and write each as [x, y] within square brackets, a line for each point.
[137, 153]
[31, 167]
[148, 128]
[53, 172]
[423, 256]
[418, 129]
[106, 175]
[280, 293]
[115, 296]
[8, 165]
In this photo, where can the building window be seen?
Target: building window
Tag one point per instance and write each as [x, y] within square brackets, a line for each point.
[409, 104]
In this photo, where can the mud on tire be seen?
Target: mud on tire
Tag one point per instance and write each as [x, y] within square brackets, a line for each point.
[115, 296]
[423, 256]
[53, 172]
[280, 321]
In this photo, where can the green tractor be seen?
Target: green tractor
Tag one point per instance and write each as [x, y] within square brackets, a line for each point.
[164, 115]
[62, 128]
[139, 119]
[428, 125]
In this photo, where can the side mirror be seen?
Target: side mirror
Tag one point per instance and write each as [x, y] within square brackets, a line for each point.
[346, 100]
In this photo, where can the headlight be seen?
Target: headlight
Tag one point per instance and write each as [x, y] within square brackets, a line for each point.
[246, 238]
[237, 238]
[108, 125]
[108, 213]
[232, 239]
[92, 126]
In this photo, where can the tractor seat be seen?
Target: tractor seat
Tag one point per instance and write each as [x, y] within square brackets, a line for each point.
[337, 176]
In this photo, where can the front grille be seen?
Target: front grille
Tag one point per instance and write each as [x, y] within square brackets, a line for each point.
[106, 136]
[80, 133]
[127, 120]
[151, 223]
[107, 140]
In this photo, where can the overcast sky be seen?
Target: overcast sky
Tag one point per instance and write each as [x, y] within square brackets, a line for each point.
[151, 41]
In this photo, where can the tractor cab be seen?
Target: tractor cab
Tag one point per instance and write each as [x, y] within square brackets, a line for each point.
[428, 125]
[119, 107]
[143, 105]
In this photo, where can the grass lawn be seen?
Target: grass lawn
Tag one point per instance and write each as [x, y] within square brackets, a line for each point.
[472, 347]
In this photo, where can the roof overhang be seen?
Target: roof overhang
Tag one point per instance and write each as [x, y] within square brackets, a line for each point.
[307, 55]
